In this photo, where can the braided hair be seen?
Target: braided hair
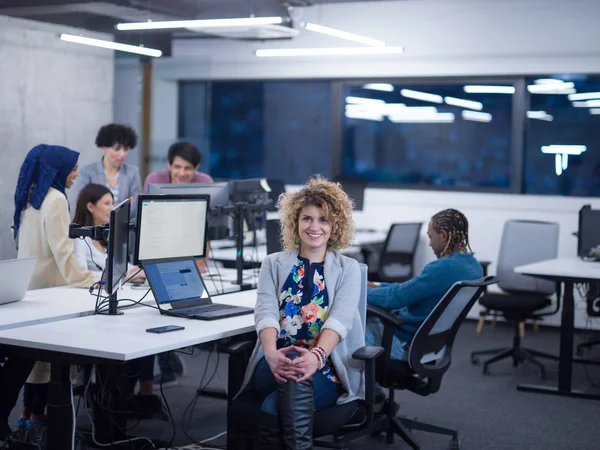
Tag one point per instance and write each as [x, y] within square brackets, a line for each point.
[456, 225]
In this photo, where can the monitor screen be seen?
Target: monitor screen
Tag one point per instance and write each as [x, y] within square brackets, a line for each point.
[273, 236]
[174, 281]
[355, 188]
[218, 223]
[171, 226]
[588, 237]
[253, 191]
[118, 245]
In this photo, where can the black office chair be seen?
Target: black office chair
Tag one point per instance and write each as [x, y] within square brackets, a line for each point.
[428, 359]
[524, 297]
[343, 422]
[396, 258]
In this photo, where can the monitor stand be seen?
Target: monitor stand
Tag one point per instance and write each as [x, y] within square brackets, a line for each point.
[113, 304]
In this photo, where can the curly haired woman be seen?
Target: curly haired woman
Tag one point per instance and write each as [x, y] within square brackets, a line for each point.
[307, 317]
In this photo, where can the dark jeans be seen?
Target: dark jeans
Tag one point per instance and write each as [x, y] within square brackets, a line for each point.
[138, 369]
[325, 391]
[13, 374]
[35, 397]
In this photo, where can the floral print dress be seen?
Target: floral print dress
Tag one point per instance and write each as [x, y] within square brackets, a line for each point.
[303, 307]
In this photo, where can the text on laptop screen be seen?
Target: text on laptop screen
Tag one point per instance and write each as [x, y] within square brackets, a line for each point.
[175, 281]
[172, 228]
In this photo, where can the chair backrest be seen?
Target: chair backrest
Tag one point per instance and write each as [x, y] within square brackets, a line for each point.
[362, 303]
[398, 253]
[430, 352]
[525, 242]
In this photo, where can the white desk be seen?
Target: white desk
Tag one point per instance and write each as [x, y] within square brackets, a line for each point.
[101, 339]
[567, 271]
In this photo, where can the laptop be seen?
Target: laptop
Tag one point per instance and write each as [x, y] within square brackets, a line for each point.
[15, 275]
[180, 291]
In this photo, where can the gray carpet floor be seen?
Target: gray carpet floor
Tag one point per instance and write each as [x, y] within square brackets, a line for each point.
[487, 410]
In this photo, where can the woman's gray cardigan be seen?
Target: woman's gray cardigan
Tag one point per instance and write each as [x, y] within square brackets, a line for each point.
[342, 281]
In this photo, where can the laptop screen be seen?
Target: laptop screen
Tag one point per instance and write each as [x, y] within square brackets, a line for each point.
[175, 281]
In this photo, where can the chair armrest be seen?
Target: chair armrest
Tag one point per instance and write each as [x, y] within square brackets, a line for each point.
[367, 353]
[385, 316]
[233, 348]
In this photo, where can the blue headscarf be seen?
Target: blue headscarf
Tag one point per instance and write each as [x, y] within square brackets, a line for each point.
[45, 166]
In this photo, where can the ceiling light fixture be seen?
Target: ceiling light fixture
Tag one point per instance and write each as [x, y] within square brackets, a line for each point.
[470, 104]
[550, 87]
[363, 100]
[540, 115]
[476, 116]
[584, 96]
[343, 35]
[423, 96]
[484, 89]
[561, 155]
[385, 87]
[422, 118]
[331, 51]
[111, 45]
[199, 24]
[587, 104]
[595, 111]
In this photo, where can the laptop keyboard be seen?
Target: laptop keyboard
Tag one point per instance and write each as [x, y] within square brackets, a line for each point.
[203, 309]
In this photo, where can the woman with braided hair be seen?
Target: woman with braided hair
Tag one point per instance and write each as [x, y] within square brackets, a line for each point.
[413, 300]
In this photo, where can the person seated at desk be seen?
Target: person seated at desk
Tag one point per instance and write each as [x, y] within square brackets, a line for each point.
[413, 300]
[183, 164]
[112, 171]
[41, 228]
[307, 316]
[94, 205]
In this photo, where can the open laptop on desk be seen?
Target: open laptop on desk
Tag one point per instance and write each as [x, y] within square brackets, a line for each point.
[171, 235]
[179, 290]
[15, 275]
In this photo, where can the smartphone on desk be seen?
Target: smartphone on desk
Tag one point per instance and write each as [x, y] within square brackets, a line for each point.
[165, 329]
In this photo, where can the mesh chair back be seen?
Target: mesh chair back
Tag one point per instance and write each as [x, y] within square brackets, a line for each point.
[362, 303]
[431, 349]
[398, 253]
[526, 242]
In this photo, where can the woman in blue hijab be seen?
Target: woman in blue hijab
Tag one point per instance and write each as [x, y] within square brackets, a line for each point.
[41, 227]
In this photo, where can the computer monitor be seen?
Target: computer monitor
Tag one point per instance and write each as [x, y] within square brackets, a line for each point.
[273, 236]
[355, 188]
[253, 191]
[277, 188]
[117, 252]
[218, 221]
[171, 227]
[588, 236]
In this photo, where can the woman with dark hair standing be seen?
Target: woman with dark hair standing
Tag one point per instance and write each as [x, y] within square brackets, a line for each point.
[112, 171]
[41, 227]
[413, 300]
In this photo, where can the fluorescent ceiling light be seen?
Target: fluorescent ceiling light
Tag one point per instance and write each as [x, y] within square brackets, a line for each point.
[344, 35]
[545, 88]
[423, 96]
[584, 96]
[385, 87]
[587, 104]
[484, 89]
[204, 23]
[564, 149]
[363, 100]
[595, 111]
[351, 113]
[111, 45]
[463, 103]
[476, 116]
[540, 115]
[548, 81]
[421, 118]
[331, 51]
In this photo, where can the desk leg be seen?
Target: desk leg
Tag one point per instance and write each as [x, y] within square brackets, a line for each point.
[61, 433]
[565, 365]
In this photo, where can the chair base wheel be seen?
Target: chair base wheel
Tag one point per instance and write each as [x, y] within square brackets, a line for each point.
[454, 444]
[474, 360]
[485, 370]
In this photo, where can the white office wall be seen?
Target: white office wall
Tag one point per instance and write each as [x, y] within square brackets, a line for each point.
[51, 92]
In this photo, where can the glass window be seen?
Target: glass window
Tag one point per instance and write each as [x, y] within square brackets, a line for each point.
[562, 136]
[450, 134]
[248, 129]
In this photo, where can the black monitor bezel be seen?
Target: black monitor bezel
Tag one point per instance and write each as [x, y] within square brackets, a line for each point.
[112, 284]
[163, 197]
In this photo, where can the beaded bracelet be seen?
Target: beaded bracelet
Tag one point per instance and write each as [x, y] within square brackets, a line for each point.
[321, 355]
